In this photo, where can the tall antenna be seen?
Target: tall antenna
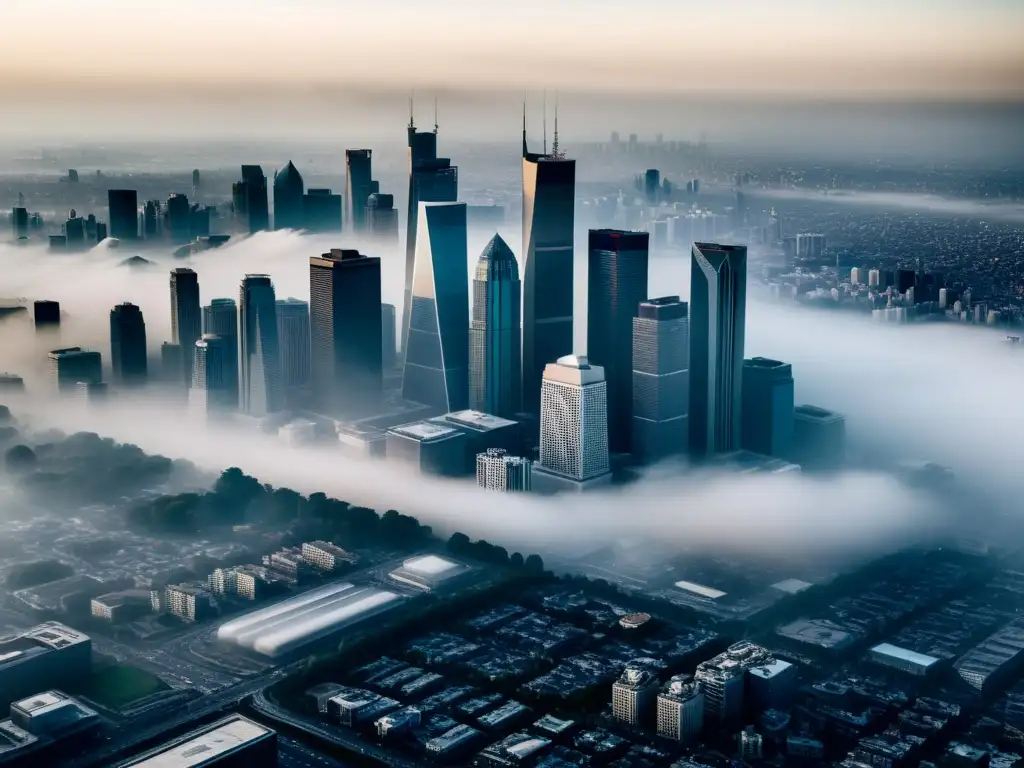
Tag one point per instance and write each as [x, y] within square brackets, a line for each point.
[435, 113]
[412, 96]
[524, 126]
[545, 122]
[554, 143]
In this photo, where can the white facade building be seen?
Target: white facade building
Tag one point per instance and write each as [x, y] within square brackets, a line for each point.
[497, 471]
[680, 709]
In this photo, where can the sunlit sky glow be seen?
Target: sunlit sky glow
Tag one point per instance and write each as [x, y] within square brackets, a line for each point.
[812, 47]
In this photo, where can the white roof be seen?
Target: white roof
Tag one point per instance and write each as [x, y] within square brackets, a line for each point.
[424, 430]
[39, 701]
[905, 654]
[792, 586]
[478, 419]
[429, 565]
[206, 746]
[699, 589]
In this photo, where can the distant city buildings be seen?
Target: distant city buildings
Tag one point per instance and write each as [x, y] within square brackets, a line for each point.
[494, 334]
[322, 211]
[437, 348]
[496, 470]
[289, 192]
[617, 284]
[768, 405]
[214, 382]
[660, 391]
[381, 218]
[718, 301]
[261, 388]
[128, 353]
[220, 318]
[123, 213]
[358, 187]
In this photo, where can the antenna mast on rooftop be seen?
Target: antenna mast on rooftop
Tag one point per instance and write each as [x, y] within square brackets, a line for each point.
[412, 97]
[555, 153]
[545, 122]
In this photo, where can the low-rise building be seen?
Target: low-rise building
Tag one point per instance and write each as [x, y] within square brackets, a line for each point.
[117, 607]
[458, 738]
[327, 556]
[233, 742]
[902, 659]
[192, 601]
[429, 572]
[48, 655]
[52, 714]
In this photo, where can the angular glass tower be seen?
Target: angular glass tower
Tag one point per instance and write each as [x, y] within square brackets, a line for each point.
[437, 359]
[718, 312]
[249, 199]
[186, 316]
[549, 199]
[616, 284]
[261, 389]
[289, 189]
[494, 333]
[128, 356]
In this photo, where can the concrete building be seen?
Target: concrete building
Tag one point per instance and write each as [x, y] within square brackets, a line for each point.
[52, 714]
[250, 582]
[232, 742]
[616, 286]
[723, 680]
[772, 686]
[118, 607]
[496, 470]
[47, 656]
[661, 379]
[431, 448]
[327, 556]
[359, 440]
[190, 602]
[453, 740]
[718, 301]
[428, 572]
[483, 431]
[994, 660]
[574, 426]
[495, 353]
[634, 695]
[261, 389]
[819, 438]
[70, 366]
[437, 335]
[903, 659]
[810, 245]
[681, 709]
[768, 406]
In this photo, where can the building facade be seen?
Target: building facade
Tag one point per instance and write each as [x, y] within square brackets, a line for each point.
[718, 309]
[293, 338]
[496, 470]
[214, 385]
[680, 710]
[819, 438]
[73, 365]
[388, 336]
[768, 404]
[661, 379]
[261, 391]
[634, 695]
[249, 199]
[495, 349]
[220, 318]
[381, 218]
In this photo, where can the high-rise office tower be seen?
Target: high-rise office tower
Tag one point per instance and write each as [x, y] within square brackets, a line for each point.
[220, 319]
[46, 314]
[680, 709]
[74, 230]
[186, 315]
[549, 199]
[345, 321]
[819, 438]
[718, 310]
[289, 189]
[19, 221]
[573, 424]
[123, 205]
[249, 199]
[431, 180]
[388, 336]
[497, 471]
[661, 379]
[260, 389]
[358, 187]
[634, 695]
[213, 385]
[437, 351]
[293, 339]
[617, 284]
[494, 334]
[179, 219]
[767, 407]
[151, 220]
[128, 355]
[74, 365]
[321, 211]
[172, 364]
[381, 217]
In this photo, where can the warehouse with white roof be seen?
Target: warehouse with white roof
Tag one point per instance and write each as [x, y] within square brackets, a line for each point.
[429, 572]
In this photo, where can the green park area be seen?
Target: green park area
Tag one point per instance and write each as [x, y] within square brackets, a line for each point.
[117, 685]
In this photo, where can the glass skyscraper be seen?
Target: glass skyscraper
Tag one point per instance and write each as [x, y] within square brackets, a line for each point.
[718, 311]
[220, 318]
[213, 386]
[293, 339]
[128, 354]
[437, 353]
[494, 334]
[289, 192]
[358, 187]
[186, 315]
[261, 388]
[249, 199]
[768, 407]
[661, 351]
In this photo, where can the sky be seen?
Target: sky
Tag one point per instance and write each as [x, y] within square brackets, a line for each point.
[817, 48]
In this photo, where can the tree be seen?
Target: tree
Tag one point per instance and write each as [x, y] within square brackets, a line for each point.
[534, 564]
[5, 415]
[20, 458]
[515, 561]
[458, 544]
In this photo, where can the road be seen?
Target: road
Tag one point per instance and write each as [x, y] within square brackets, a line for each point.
[336, 737]
[292, 754]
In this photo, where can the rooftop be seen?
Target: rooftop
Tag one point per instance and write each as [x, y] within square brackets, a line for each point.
[904, 654]
[204, 746]
[478, 420]
[425, 431]
[699, 589]
[813, 412]
[429, 565]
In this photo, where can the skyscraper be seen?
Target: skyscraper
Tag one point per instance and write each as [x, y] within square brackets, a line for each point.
[358, 186]
[437, 350]
[661, 381]
[19, 220]
[151, 220]
[617, 284]
[819, 438]
[72, 365]
[345, 322]
[293, 339]
[767, 407]
[289, 189]
[213, 385]
[179, 219]
[46, 314]
[123, 207]
[260, 388]
[321, 211]
[496, 470]
[186, 316]
[494, 335]
[249, 199]
[549, 198]
[431, 180]
[128, 356]
[388, 336]
[573, 425]
[220, 319]
[718, 309]
[381, 217]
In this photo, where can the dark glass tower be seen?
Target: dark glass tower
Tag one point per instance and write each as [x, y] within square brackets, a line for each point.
[494, 334]
[128, 356]
[768, 407]
[186, 316]
[616, 286]
[358, 187]
[293, 338]
[431, 180]
[220, 319]
[179, 219]
[549, 199]
[321, 211]
[661, 353]
[260, 389]
[46, 314]
[123, 207]
[718, 311]
[345, 324]
[289, 189]
[249, 199]
[437, 360]
[213, 383]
